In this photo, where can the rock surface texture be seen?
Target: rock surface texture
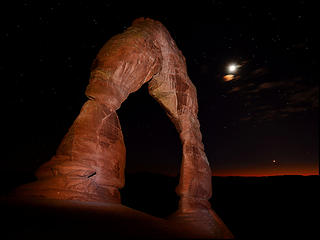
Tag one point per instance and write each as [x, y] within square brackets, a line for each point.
[89, 163]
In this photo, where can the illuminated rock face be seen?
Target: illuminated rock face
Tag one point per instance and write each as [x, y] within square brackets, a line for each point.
[89, 163]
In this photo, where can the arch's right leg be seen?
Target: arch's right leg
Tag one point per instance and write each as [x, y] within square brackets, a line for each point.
[178, 97]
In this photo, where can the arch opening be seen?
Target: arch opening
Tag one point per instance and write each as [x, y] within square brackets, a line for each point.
[153, 156]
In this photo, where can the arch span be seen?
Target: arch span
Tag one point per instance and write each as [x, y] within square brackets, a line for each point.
[90, 161]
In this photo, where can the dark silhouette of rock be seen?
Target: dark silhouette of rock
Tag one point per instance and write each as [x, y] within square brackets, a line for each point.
[89, 163]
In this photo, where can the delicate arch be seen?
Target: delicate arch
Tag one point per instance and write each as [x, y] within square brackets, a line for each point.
[89, 163]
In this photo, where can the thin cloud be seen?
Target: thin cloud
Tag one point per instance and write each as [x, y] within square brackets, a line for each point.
[246, 118]
[306, 96]
[235, 89]
[265, 99]
[259, 72]
[269, 85]
[289, 97]
[293, 109]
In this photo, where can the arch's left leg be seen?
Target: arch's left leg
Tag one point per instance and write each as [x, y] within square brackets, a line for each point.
[89, 163]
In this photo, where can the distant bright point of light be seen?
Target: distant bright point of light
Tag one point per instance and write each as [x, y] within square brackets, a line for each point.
[273, 161]
[232, 68]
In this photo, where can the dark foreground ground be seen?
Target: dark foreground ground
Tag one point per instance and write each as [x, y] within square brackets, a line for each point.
[266, 207]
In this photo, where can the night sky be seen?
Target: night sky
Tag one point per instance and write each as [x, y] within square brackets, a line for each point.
[264, 121]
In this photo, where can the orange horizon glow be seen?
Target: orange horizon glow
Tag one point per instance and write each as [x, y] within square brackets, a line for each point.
[264, 175]
[242, 174]
[256, 173]
[273, 169]
[310, 169]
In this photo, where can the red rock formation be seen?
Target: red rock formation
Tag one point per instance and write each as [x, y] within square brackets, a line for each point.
[89, 163]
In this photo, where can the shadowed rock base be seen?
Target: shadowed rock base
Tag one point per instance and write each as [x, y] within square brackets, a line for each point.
[42, 190]
[199, 220]
[62, 219]
[203, 224]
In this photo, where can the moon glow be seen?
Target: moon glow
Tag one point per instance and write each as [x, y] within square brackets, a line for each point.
[232, 68]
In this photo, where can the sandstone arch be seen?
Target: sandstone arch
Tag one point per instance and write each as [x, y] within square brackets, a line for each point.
[89, 163]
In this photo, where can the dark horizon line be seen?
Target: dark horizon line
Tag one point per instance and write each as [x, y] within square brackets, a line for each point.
[222, 176]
